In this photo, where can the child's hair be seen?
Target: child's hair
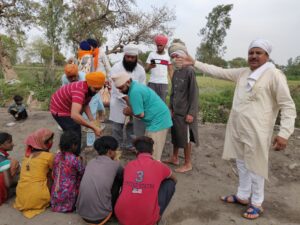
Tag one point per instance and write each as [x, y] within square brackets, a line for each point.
[68, 139]
[18, 98]
[105, 143]
[4, 137]
[143, 144]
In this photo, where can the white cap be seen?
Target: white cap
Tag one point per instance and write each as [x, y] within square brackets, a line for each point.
[120, 79]
[261, 43]
[131, 49]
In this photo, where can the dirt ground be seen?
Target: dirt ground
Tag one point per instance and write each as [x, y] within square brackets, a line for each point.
[196, 201]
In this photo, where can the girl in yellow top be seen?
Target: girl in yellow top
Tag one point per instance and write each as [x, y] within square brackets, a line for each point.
[33, 195]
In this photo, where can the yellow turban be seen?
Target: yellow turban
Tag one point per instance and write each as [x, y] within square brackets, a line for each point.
[71, 70]
[95, 79]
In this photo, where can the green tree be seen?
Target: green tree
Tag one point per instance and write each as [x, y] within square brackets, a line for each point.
[11, 47]
[15, 15]
[52, 19]
[293, 67]
[212, 47]
[120, 19]
[39, 50]
[238, 62]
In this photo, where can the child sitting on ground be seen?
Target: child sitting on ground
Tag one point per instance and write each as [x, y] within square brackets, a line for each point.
[67, 173]
[101, 182]
[9, 167]
[33, 195]
[17, 109]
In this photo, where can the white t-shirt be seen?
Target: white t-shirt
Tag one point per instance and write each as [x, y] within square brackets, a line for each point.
[159, 74]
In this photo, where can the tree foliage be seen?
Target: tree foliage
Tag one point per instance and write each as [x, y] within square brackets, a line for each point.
[52, 20]
[11, 47]
[212, 47]
[15, 15]
[102, 19]
[238, 62]
[293, 67]
[40, 51]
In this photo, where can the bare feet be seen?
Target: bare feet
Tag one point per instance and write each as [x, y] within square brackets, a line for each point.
[172, 160]
[184, 168]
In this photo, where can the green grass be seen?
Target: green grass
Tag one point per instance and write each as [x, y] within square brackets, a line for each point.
[31, 80]
[216, 98]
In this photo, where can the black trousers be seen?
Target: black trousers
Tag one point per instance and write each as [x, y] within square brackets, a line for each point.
[67, 123]
[19, 116]
[165, 194]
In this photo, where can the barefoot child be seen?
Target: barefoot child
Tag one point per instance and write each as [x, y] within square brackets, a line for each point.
[9, 167]
[33, 195]
[67, 173]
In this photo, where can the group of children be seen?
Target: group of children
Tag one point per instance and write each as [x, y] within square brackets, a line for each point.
[136, 194]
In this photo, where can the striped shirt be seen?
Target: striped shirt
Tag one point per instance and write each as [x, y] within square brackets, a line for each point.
[62, 99]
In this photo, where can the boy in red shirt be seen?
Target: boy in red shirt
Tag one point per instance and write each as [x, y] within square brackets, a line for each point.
[148, 187]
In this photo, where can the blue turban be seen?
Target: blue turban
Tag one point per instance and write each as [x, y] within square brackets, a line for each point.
[93, 42]
[84, 45]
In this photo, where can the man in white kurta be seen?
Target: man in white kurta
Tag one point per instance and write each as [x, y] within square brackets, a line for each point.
[261, 92]
[117, 102]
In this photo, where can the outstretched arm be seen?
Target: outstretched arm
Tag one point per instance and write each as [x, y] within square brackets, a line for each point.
[214, 71]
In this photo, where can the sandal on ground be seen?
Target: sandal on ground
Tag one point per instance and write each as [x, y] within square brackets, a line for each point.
[253, 212]
[235, 200]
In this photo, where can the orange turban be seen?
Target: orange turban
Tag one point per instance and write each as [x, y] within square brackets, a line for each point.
[95, 79]
[71, 70]
[161, 39]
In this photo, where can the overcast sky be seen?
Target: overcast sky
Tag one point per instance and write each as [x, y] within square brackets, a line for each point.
[275, 20]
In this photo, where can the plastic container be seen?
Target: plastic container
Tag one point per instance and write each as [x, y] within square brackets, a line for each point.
[91, 137]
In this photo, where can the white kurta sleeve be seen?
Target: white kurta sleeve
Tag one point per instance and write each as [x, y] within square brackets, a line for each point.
[219, 72]
[286, 105]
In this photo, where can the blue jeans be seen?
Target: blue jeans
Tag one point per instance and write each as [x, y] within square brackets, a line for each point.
[165, 194]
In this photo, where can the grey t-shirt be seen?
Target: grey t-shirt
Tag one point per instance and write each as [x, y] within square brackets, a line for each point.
[94, 199]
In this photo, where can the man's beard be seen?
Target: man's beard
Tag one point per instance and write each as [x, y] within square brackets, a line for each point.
[125, 92]
[91, 93]
[129, 66]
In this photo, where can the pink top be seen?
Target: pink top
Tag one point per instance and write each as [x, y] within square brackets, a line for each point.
[62, 99]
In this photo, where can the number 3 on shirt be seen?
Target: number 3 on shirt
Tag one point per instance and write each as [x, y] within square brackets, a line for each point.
[139, 176]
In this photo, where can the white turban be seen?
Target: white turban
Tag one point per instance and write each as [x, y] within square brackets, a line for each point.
[131, 49]
[261, 43]
[120, 78]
